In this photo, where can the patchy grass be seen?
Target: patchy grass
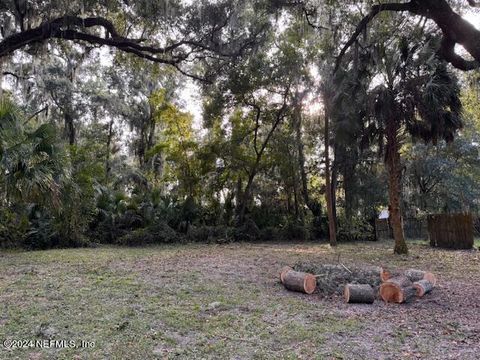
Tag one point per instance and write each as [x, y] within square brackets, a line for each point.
[212, 301]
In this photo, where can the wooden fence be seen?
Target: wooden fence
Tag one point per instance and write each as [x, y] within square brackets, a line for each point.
[413, 228]
[451, 231]
[383, 230]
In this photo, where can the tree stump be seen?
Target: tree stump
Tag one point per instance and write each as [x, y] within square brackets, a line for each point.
[398, 290]
[359, 294]
[423, 287]
[300, 281]
[283, 272]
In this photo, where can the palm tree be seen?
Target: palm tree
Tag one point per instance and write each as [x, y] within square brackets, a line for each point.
[30, 162]
[417, 98]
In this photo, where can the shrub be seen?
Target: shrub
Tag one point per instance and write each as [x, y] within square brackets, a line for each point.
[249, 231]
[271, 233]
[209, 234]
[357, 229]
[295, 231]
[43, 234]
[12, 229]
[159, 233]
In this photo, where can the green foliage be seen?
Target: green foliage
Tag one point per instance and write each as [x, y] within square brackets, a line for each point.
[210, 234]
[355, 229]
[13, 228]
[249, 231]
[140, 169]
[31, 160]
[154, 234]
[438, 182]
[294, 230]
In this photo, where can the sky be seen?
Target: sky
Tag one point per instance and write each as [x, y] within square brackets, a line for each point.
[474, 18]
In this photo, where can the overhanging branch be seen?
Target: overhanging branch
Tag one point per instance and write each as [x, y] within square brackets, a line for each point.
[376, 9]
[75, 29]
[447, 51]
[455, 29]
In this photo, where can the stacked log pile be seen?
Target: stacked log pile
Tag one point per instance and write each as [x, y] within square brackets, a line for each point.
[331, 279]
[359, 284]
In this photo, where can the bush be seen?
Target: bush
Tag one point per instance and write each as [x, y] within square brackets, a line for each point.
[12, 229]
[210, 234]
[295, 231]
[267, 216]
[317, 227]
[159, 233]
[357, 229]
[271, 233]
[249, 231]
[40, 236]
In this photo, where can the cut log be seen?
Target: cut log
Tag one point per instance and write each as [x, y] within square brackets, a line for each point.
[416, 275]
[409, 293]
[283, 272]
[412, 274]
[386, 275]
[300, 281]
[398, 290]
[423, 287]
[359, 294]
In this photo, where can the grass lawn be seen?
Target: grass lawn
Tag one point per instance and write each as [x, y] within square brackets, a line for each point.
[225, 302]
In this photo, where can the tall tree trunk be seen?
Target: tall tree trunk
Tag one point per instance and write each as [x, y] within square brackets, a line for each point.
[394, 185]
[1, 77]
[245, 197]
[349, 181]
[141, 147]
[238, 198]
[288, 200]
[294, 179]
[332, 231]
[334, 185]
[298, 212]
[69, 127]
[109, 142]
[297, 125]
[151, 130]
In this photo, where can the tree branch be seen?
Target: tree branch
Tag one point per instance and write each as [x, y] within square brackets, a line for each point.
[35, 114]
[18, 77]
[376, 9]
[455, 29]
[74, 28]
[447, 51]
[307, 14]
